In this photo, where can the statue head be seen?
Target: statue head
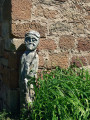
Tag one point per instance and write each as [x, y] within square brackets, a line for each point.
[32, 40]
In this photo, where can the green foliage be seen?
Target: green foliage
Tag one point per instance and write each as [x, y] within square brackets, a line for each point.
[25, 113]
[4, 115]
[62, 95]
[59, 95]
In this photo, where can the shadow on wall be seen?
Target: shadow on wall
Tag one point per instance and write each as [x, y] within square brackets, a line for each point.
[9, 62]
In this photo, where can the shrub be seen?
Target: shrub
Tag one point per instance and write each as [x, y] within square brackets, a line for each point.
[62, 95]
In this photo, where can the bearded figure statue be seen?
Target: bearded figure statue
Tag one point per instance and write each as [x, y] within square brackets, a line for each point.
[29, 67]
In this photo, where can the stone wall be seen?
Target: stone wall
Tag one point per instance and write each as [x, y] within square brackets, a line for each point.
[9, 73]
[64, 26]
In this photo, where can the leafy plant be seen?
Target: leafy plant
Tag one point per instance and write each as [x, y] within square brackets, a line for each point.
[62, 95]
[4, 115]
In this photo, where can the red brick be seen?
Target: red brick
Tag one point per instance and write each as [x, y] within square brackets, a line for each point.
[38, 27]
[21, 9]
[66, 42]
[19, 30]
[79, 61]
[41, 61]
[58, 59]
[47, 44]
[50, 13]
[83, 44]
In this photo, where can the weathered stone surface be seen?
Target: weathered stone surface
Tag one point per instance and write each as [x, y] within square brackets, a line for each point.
[62, 0]
[21, 10]
[87, 8]
[0, 14]
[87, 1]
[29, 67]
[83, 44]
[46, 1]
[1, 68]
[18, 43]
[39, 11]
[12, 59]
[59, 26]
[50, 13]
[89, 27]
[14, 79]
[1, 46]
[87, 17]
[47, 44]
[19, 30]
[6, 10]
[13, 100]
[10, 99]
[58, 59]
[5, 30]
[49, 2]
[8, 45]
[41, 61]
[79, 28]
[79, 7]
[79, 61]
[6, 76]
[52, 19]
[1, 104]
[38, 27]
[0, 29]
[10, 78]
[4, 61]
[67, 42]
[88, 59]
[45, 12]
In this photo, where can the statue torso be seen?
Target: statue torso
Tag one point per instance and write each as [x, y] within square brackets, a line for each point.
[29, 61]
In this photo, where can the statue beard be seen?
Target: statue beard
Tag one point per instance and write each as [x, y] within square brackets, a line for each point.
[31, 46]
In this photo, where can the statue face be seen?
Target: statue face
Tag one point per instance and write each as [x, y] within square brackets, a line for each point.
[31, 42]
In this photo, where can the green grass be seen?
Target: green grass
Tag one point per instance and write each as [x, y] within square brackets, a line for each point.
[60, 95]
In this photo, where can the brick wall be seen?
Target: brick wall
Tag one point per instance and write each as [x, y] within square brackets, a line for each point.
[64, 26]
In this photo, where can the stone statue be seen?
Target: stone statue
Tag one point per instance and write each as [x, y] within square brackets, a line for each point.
[29, 67]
